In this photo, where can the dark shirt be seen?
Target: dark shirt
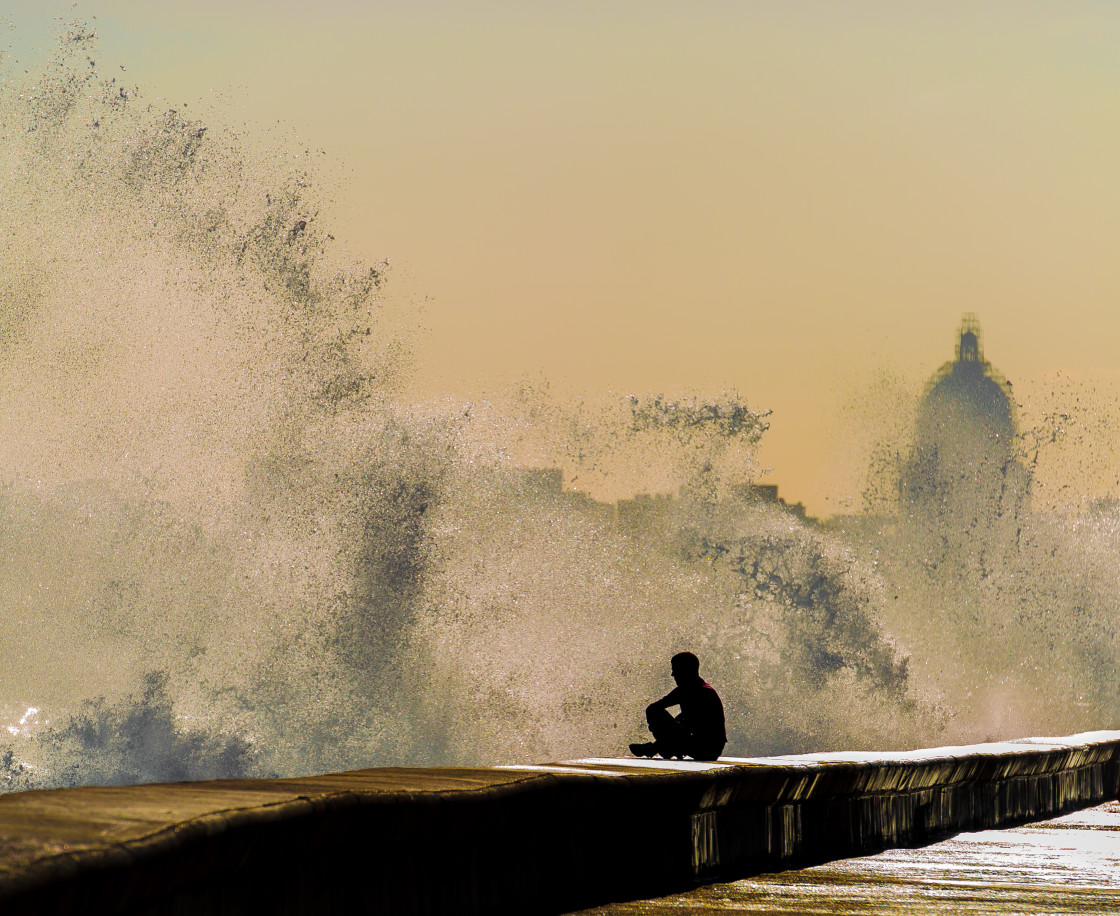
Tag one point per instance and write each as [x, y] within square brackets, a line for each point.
[701, 710]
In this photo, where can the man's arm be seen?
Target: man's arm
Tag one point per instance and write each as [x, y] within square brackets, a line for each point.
[670, 699]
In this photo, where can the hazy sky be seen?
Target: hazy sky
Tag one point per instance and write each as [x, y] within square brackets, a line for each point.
[787, 199]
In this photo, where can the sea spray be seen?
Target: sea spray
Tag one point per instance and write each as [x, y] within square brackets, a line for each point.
[231, 548]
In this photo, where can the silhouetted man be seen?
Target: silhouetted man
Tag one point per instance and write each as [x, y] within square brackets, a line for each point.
[699, 731]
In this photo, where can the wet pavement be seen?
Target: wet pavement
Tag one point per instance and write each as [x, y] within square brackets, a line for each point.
[1067, 865]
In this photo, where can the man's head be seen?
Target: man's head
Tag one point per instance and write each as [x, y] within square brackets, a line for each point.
[685, 668]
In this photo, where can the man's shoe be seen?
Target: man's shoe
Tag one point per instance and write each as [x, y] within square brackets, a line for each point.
[643, 750]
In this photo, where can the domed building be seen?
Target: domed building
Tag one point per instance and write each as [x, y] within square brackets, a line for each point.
[964, 462]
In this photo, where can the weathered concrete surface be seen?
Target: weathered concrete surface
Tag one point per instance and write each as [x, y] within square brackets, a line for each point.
[540, 839]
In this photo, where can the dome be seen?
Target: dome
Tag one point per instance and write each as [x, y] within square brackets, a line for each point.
[964, 442]
[966, 399]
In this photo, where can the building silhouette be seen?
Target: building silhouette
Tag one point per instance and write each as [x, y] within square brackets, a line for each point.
[964, 466]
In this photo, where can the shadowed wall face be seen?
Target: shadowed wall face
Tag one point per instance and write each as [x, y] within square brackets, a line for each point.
[432, 841]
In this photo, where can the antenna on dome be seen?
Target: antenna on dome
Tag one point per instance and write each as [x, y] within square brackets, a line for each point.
[969, 348]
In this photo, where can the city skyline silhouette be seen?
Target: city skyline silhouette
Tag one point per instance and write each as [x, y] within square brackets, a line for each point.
[782, 200]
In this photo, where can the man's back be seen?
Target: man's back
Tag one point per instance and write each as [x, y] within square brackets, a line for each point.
[701, 711]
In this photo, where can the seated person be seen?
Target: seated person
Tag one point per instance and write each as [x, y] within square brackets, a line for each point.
[699, 731]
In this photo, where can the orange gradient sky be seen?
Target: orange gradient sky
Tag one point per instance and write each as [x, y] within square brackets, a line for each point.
[794, 200]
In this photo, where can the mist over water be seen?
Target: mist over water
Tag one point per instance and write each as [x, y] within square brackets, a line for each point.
[231, 547]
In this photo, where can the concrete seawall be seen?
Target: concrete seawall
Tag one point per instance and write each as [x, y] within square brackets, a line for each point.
[525, 839]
